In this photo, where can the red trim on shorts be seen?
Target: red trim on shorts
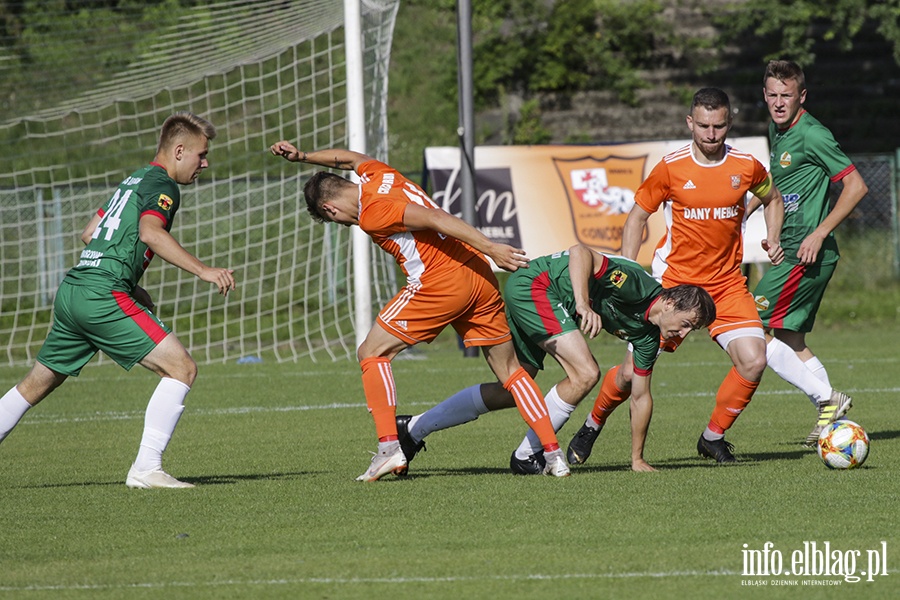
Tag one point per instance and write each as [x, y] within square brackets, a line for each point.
[642, 372]
[776, 321]
[147, 324]
[542, 303]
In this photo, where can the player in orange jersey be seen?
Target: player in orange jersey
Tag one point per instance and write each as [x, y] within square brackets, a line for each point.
[449, 282]
[702, 189]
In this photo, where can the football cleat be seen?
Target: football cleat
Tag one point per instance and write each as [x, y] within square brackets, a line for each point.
[829, 411]
[409, 446]
[153, 479]
[581, 445]
[392, 461]
[533, 465]
[555, 464]
[717, 449]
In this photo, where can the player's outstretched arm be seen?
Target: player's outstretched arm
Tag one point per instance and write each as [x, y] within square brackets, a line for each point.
[641, 411]
[333, 159]
[506, 257]
[161, 242]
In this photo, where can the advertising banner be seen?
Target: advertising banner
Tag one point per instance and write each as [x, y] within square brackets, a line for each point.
[547, 198]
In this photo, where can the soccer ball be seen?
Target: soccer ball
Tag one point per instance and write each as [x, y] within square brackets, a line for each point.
[843, 445]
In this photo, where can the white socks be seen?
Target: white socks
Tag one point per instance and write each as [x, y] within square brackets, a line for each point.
[163, 411]
[559, 411]
[818, 369]
[13, 407]
[712, 436]
[463, 406]
[784, 361]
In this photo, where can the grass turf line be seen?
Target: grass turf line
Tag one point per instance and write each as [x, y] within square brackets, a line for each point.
[277, 514]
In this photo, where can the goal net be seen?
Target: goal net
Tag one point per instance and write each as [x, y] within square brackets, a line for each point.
[259, 71]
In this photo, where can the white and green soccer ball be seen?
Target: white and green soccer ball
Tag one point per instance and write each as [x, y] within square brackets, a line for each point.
[843, 445]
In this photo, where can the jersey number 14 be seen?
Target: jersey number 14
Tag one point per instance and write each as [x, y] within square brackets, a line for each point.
[112, 219]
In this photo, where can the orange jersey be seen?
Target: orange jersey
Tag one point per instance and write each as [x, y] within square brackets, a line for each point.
[704, 208]
[424, 254]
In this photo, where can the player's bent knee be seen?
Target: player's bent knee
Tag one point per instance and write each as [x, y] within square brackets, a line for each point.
[183, 370]
[190, 374]
[585, 378]
[752, 368]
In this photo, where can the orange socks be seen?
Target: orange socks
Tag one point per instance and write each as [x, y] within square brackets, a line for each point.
[381, 396]
[609, 398]
[732, 398]
[530, 402]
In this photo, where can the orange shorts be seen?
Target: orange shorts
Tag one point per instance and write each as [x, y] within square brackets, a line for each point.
[735, 308]
[469, 300]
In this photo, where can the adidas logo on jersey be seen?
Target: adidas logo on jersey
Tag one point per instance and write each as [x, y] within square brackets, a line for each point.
[689, 185]
[401, 324]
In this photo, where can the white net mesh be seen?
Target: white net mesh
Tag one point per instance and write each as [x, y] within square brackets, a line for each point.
[260, 71]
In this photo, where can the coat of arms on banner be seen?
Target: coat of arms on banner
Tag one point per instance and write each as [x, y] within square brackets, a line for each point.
[601, 192]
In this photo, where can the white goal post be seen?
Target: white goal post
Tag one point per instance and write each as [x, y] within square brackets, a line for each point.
[262, 71]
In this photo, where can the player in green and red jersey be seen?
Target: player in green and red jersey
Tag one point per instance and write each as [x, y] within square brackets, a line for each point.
[549, 305]
[805, 160]
[99, 305]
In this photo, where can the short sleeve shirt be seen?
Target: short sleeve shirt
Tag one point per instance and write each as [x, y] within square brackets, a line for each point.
[422, 254]
[704, 208]
[116, 258]
[621, 292]
[805, 159]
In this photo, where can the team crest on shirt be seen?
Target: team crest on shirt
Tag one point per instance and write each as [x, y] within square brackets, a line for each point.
[762, 303]
[165, 202]
[617, 278]
[785, 160]
[736, 182]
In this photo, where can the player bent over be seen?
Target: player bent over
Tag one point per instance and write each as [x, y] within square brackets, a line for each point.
[549, 305]
[99, 305]
[449, 282]
[702, 189]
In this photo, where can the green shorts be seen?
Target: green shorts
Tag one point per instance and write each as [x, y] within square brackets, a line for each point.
[788, 296]
[535, 315]
[86, 320]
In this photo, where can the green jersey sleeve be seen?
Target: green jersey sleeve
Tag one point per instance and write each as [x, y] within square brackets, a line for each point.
[116, 258]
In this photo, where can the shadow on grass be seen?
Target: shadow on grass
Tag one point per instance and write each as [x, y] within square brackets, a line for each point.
[201, 480]
[686, 462]
[884, 435]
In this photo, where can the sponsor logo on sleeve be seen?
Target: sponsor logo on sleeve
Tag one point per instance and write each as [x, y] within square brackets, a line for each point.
[617, 278]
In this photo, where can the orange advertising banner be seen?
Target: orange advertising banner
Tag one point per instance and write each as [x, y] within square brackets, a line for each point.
[547, 198]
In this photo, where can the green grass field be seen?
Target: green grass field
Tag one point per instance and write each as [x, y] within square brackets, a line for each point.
[274, 450]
